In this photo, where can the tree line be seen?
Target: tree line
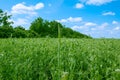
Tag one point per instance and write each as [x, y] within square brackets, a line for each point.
[38, 28]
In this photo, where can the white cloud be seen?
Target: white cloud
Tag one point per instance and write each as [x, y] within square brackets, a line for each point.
[76, 19]
[114, 22]
[86, 26]
[104, 25]
[76, 27]
[96, 2]
[90, 24]
[39, 6]
[98, 30]
[79, 5]
[99, 27]
[20, 21]
[108, 13]
[71, 19]
[21, 8]
[117, 28]
[63, 20]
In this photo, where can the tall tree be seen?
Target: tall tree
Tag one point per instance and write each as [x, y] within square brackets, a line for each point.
[5, 25]
[4, 19]
[36, 25]
[54, 28]
[50, 28]
[40, 26]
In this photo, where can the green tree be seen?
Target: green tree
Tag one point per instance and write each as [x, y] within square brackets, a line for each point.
[40, 26]
[36, 25]
[19, 32]
[6, 32]
[54, 28]
[4, 19]
[32, 34]
[6, 29]
[45, 28]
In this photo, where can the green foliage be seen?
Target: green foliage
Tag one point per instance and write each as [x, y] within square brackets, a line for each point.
[6, 32]
[32, 34]
[80, 59]
[37, 25]
[5, 25]
[50, 29]
[19, 32]
[69, 33]
[39, 28]
[4, 19]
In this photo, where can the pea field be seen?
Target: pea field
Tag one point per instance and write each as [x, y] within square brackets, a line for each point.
[59, 59]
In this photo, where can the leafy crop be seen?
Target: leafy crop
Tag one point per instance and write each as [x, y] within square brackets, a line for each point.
[79, 59]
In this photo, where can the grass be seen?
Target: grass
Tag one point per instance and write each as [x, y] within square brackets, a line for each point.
[59, 45]
[80, 59]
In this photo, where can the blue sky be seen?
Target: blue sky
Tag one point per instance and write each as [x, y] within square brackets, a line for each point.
[97, 18]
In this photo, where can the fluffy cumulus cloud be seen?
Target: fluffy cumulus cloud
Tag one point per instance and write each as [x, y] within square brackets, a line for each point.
[76, 27]
[116, 28]
[90, 24]
[114, 22]
[38, 6]
[79, 6]
[103, 25]
[100, 27]
[116, 25]
[108, 13]
[21, 8]
[91, 28]
[25, 13]
[104, 29]
[20, 21]
[96, 2]
[85, 26]
[71, 19]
